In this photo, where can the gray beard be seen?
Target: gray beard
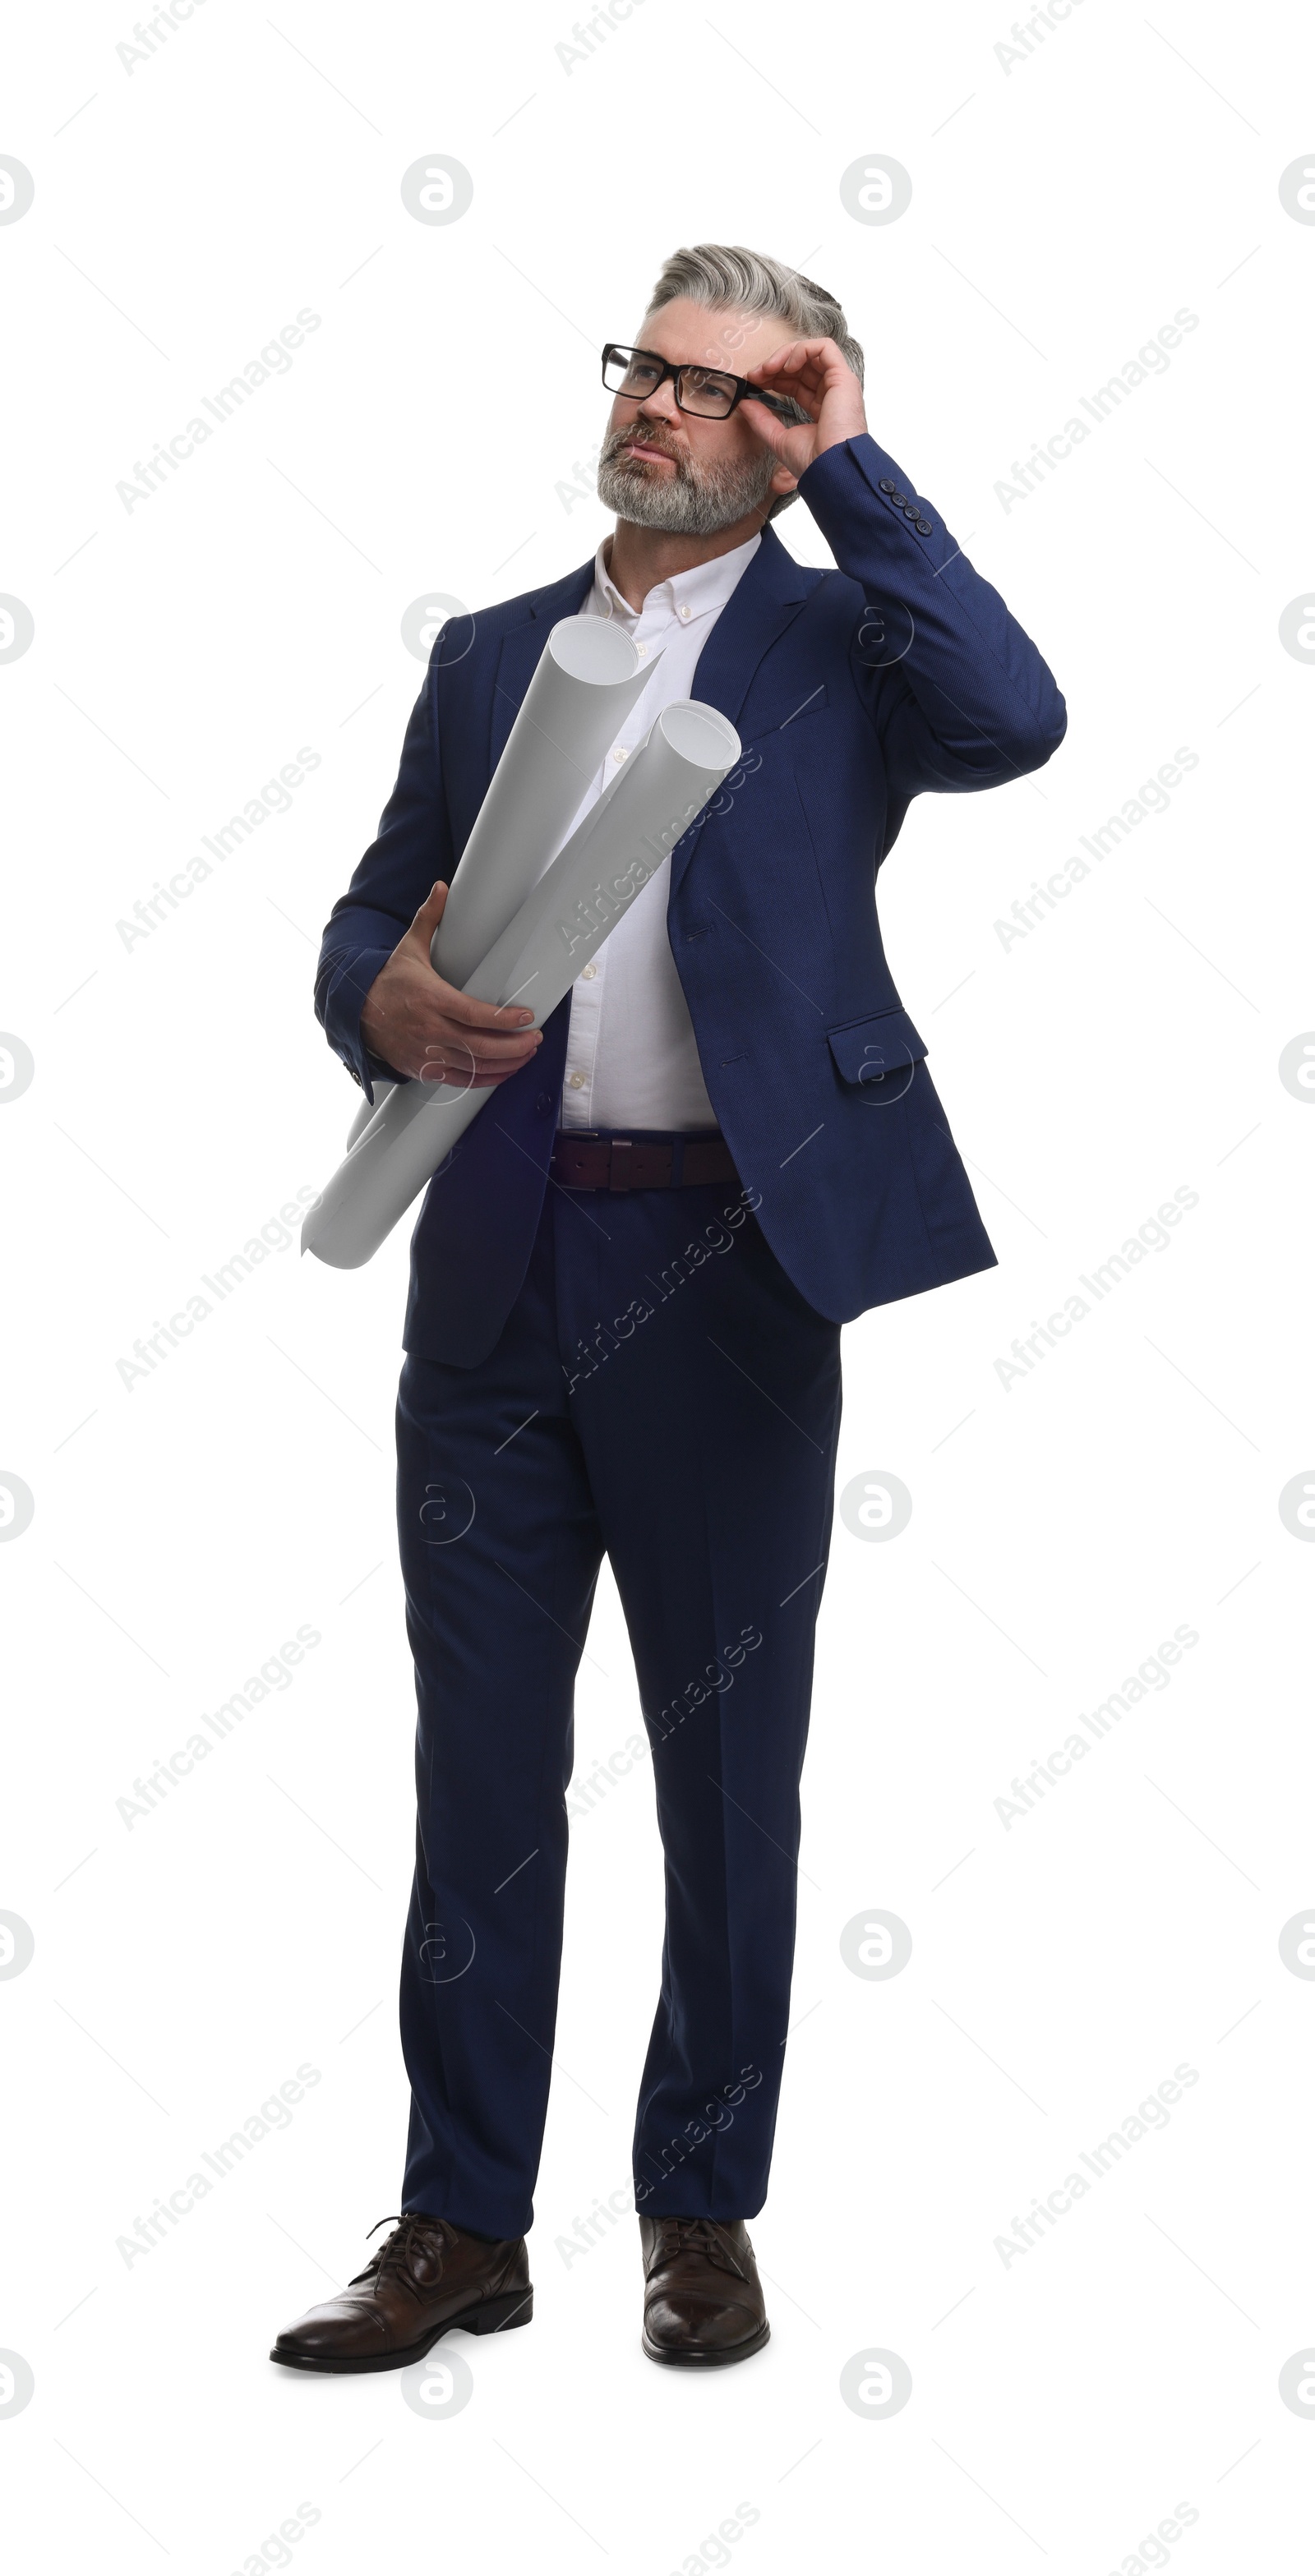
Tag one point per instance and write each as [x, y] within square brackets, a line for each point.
[694, 501]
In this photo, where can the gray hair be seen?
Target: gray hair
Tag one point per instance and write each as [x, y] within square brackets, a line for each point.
[726, 276]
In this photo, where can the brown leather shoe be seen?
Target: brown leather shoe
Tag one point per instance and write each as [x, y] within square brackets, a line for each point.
[427, 2277]
[703, 2301]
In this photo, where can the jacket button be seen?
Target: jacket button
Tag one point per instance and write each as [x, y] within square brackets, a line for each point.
[886, 485]
[924, 527]
[544, 1103]
[909, 510]
[897, 498]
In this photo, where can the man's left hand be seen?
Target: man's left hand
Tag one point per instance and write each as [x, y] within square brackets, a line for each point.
[813, 374]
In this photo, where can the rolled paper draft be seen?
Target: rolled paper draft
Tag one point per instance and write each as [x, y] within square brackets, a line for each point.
[366, 1118]
[589, 676]
[367, 1112]
[609, 860]
[560, 926]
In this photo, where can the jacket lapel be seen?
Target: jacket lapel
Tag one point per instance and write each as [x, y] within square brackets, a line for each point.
[761, 606]
[521, 649]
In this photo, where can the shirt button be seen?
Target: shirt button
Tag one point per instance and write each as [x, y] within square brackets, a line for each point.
[576, 1081]
[589, 972]
[683, 610]
[620, 751]
[641, 650]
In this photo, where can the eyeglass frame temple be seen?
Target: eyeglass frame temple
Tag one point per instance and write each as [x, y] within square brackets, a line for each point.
[774, 403]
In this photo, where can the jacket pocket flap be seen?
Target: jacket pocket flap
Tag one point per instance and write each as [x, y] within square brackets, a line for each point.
[867, 1050]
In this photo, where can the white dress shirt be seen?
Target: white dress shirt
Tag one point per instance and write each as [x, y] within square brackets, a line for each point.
[631, 1060]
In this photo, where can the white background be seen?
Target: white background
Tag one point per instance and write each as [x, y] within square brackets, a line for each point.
[1064, 207]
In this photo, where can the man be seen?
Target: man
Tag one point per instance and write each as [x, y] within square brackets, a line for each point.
[627, 1281]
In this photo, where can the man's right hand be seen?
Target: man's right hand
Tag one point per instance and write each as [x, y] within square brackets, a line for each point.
[429, 1030]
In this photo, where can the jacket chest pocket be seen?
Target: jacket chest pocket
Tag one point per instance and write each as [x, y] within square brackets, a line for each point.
[780, 725]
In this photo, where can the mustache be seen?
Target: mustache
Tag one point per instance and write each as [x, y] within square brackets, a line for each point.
[619, 439]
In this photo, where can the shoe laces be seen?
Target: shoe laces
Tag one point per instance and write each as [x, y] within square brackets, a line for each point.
[696, 2236]
[411, 2230]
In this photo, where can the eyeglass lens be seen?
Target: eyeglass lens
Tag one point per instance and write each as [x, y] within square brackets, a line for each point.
[698, 389]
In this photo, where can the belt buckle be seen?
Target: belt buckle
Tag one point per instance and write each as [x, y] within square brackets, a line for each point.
[618, 1163]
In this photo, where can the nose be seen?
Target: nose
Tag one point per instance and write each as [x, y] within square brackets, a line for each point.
[661, 404]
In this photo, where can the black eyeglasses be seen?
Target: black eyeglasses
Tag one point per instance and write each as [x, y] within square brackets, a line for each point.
[708, 392]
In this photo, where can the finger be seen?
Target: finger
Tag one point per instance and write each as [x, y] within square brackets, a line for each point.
[803, 387]
[494, 1075]
[457, 1066]
[775, 434]
[802, 365]
[479, 1046]
[798, 352]
[803, 390]
[515, 1050]
[772, 367]
[471, 1014]
[802, 397]
[429, 915]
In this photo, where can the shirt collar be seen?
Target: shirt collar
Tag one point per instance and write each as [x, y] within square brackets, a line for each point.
[703, 589]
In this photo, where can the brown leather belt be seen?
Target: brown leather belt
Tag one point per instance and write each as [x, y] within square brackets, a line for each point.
[587, 1162]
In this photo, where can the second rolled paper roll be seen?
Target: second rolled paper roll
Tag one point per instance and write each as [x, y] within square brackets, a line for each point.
[609, 860]
[587, 679]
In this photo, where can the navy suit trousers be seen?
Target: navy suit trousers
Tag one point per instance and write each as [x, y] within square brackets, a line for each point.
[660, 1392]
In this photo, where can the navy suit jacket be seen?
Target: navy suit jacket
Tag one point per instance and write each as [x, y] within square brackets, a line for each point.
[852, 691]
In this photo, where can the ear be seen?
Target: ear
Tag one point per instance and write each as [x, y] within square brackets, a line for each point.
[783, 481]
